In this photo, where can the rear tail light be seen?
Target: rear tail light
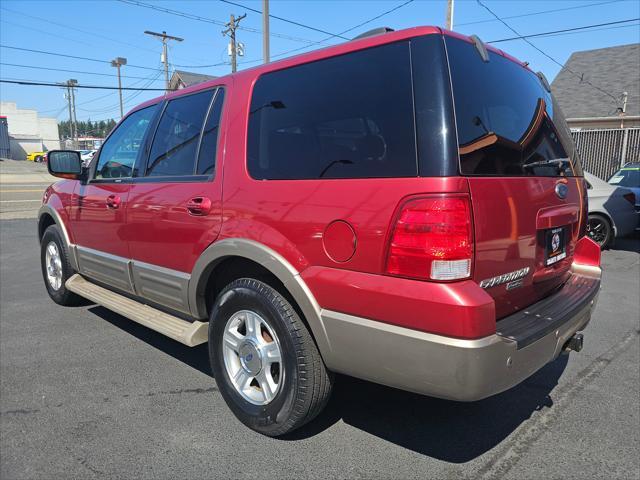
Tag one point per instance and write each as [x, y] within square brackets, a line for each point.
[432, 239]
[630, 197]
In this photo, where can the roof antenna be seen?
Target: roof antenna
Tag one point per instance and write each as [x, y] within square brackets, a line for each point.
[480, 47]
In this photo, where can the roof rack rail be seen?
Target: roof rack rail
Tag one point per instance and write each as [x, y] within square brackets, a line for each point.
[375, 31]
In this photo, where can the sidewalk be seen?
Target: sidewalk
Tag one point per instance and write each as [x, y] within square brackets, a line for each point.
[21, 187]
[21, 171]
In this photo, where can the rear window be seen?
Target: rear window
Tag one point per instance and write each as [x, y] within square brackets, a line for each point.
[508, 124]
[344, 117]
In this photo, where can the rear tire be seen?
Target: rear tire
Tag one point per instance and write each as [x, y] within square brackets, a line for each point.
[56, 269]
[299, 383]
[600, 230]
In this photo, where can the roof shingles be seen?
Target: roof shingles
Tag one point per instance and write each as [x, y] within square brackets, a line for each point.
[189, 78]
[614, 70]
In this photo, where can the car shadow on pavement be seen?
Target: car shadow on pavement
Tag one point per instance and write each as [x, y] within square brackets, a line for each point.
[196, 357]
[455, 432]
[450, 431]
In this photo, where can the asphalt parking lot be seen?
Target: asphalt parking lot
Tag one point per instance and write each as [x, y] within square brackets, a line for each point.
[85, 393]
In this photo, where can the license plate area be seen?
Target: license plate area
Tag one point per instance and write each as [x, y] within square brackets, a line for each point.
[555, 245]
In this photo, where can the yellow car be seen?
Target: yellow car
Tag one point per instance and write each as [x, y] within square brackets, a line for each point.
[36, 156]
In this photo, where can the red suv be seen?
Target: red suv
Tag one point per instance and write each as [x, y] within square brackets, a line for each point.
[407, 208]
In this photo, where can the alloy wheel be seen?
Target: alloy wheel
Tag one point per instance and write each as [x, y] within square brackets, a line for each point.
[598, 230]
[252, 357]
[53, 264]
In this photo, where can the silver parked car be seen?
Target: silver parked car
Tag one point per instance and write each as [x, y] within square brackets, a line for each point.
[611, 211]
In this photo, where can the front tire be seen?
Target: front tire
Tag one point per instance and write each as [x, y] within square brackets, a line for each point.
[56, 269]
[266, 364]
[600, 230]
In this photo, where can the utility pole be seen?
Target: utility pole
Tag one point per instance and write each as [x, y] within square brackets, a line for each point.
[73, 83]
[231, 31]
[71, 98]
[68, 97]
[623, 110]
[165, 53]
[449, 14]
[265, 30]
[118, 62]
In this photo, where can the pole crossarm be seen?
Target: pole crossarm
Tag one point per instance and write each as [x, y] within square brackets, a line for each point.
[165, 53]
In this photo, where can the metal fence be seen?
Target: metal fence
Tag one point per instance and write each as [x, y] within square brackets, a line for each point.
[603, 152]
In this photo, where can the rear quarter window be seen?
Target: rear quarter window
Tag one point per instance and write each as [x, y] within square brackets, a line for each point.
[344, 117]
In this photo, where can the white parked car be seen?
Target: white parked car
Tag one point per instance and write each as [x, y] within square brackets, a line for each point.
[612, 211]
[87, 156]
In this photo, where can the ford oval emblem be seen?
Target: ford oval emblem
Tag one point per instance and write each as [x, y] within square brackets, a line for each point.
[561, 190]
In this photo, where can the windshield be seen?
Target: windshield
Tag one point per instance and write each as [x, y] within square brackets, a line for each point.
[508, 124]
[626, 177]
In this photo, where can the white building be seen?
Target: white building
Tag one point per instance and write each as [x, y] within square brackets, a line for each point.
[28, 132]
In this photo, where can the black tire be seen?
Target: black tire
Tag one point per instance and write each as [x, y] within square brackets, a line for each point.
[61, 296]
[600, 230]
[306, 383]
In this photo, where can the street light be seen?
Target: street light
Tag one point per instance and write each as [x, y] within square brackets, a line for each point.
[118, 62]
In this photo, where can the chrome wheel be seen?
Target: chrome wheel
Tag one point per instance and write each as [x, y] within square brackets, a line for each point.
[598, 230]
[53, 263]
[252, 357]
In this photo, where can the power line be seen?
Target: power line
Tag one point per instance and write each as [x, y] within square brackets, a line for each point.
[531, 14]
[544, 34]
[98, 87]
[324, 40]
[199, 18]
[86, 32]
[101, 97]
[293, 22]
[76, 57]
[373, 19]
[592, 30]
[45, 32]
[580, 76]
[201, 66]
[68, 71]
[129, 44]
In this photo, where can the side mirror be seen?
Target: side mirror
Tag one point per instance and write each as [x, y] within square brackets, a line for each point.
[65, 164]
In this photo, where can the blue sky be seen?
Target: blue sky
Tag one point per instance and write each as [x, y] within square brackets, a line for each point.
[104, 29]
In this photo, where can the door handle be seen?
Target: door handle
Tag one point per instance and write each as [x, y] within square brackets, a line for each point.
[113, 201]
[199, 206]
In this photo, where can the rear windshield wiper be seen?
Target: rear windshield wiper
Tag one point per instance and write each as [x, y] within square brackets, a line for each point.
[331, 164]
[562, 164]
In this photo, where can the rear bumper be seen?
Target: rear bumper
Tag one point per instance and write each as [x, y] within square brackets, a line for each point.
[459, 369]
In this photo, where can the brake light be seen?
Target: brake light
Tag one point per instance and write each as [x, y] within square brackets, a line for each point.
[432, 239]
[630, 197]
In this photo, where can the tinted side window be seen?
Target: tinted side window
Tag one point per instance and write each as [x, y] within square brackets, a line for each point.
[175, 143]
[208, 147]
[344, 117]
[118, 154]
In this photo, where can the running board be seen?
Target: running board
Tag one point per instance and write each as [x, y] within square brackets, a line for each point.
[188, 333]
